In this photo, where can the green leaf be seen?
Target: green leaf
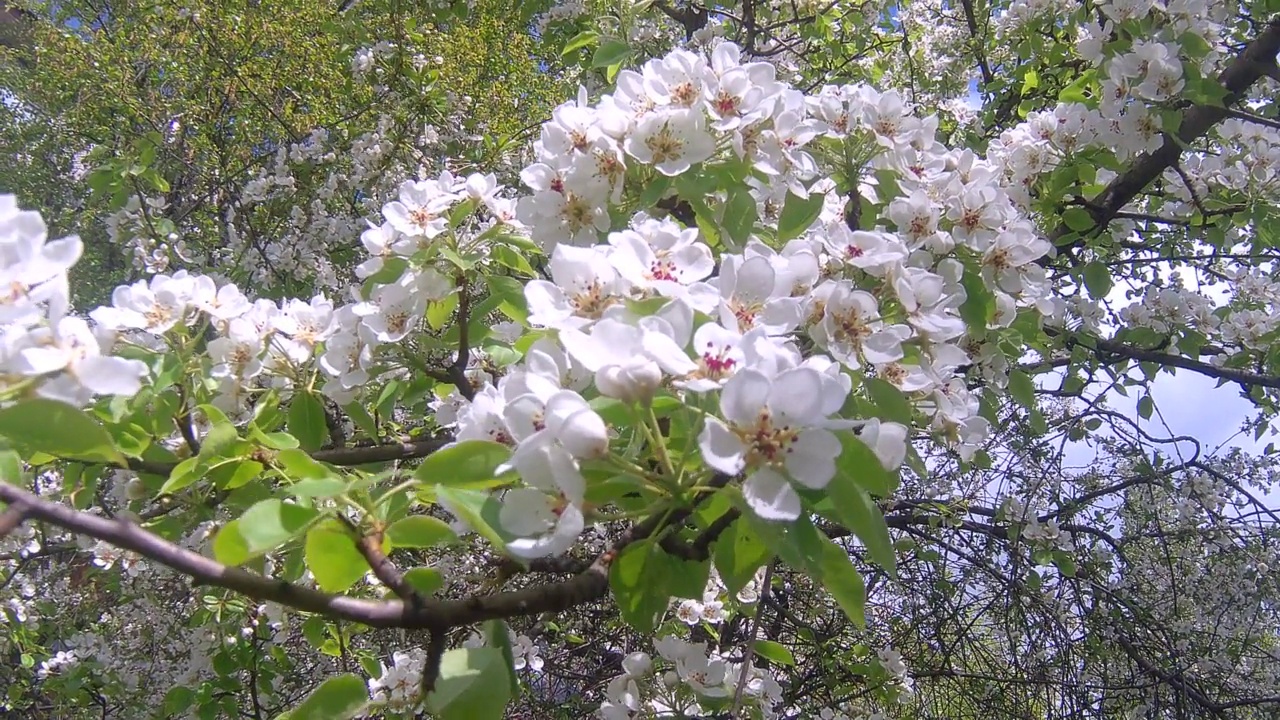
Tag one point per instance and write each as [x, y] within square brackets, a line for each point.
[236, 473]
[472, 685]
[579, 41]
[1022, 389]
[498, 635]
[859, 463]
[183, 475]
[843, 581]
[687, 578]
[739, 215]
[798, 214]
[776, 653]
[439, 312]
[464, 462]
[1065, 563]
[654, 191]
[220, 442]
[319, 487]
[310, 477]
[1078, 219]
[271, 523]
[307, 422]
[513, 259]
[1146, 407]
[1030, 81]
[419, 531]
[424, 579]
[11, 469]
[59, 429]
[610, 52]
[362, 419]
[889, 400]
[1097, 280]
[858, 512]
[331, 555]
[229, 546]
[738, 554]
[337, 698]
[638, 577]
[510, 293]
[479, 510]
[391, 272]
[274, 440]
[978, 304]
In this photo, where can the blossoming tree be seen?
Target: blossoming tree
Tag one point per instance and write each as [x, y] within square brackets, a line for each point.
[752, 391]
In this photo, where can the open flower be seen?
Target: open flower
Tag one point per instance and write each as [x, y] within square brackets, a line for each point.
[775, 431]
[72, 356]
[671, 140]
[543, 525]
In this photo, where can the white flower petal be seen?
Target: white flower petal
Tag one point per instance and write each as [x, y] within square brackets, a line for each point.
[721, 448]
[744, 396]
[770, 496]
[811, 459]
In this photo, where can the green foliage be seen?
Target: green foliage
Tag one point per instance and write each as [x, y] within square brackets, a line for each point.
[337, 698]
[57, 429]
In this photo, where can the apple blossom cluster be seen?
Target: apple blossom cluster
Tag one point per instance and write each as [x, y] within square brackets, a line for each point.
[133, 228]
[899, 674]
[399, 688]
[715, 603]
[883, 302]
[43, 350]
[694, 673]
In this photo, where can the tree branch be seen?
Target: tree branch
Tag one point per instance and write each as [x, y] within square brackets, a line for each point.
[1240, 376]
[429, 614]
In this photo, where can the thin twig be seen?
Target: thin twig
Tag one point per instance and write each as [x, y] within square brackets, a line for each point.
[751, 639]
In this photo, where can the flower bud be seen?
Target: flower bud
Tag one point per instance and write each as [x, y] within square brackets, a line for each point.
[631, 383]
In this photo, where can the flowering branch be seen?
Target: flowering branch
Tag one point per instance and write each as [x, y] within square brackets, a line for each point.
[1243, 377]
[1255, 61]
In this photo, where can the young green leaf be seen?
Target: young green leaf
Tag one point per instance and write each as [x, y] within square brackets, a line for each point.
[424, 579]
[419, 531]
[857, 511]
[472, 685]
[307, 422]
[56, 428]
[337, 698]
[774, 652]
[271, 523]
[798, 214]
[462, 463]
[332, 557]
